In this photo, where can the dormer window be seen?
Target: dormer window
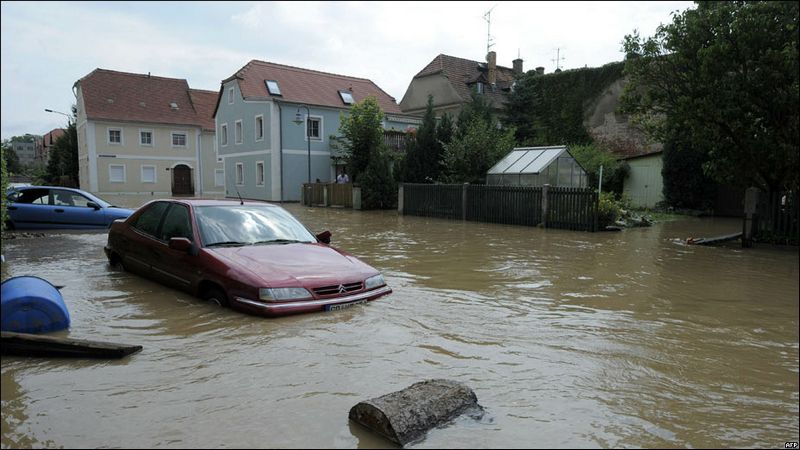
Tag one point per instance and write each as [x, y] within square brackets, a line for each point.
[347, 97]
[173, 105]
[272, 87]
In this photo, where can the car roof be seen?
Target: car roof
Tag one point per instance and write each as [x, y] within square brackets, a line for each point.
[25, 188]
[213, 202]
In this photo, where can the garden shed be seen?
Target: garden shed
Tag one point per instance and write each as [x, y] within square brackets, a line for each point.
[536, 166]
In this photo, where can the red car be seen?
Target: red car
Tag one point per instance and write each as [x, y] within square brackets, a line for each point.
[254, 257]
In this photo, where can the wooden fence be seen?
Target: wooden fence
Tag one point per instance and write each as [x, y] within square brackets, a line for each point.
[778, 217]
[328, 194]
[565, 208]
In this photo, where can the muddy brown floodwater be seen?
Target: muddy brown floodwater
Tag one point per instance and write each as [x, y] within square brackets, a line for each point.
[569, 339]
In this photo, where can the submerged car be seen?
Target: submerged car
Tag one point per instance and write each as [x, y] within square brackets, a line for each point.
[43, 207]
[253, 257]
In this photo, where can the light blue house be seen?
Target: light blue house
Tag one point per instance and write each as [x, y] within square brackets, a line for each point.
[269, 117]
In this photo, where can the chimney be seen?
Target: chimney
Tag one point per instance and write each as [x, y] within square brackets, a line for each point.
[517, 64]
[491, 64]
[540, 70]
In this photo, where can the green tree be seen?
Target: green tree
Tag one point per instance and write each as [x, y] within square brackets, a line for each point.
[362, 130]
[3, 187]
[726, 74]
[10, 159]
[475, 148]
[62, 167]
[591, 157]
[378, 188]
[685, 183]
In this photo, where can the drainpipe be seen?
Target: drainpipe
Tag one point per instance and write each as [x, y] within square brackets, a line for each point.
[280, 146]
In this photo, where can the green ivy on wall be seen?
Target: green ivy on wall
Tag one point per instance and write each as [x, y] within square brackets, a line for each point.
[550, 109]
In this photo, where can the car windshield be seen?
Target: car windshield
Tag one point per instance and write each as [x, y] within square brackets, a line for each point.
[249, 225]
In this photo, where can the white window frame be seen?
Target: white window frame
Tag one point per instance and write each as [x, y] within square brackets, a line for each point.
[185, 138]
[152, 137]
[121, 136]
[239, 171]
[255, 121]
[230, 95]
[219, 171]
[321, 127]
[260, 174]
[124, 173]
[155, 174]
[223, 132]
[238, 133]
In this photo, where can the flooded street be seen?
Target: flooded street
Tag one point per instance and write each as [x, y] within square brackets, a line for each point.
[569, 339]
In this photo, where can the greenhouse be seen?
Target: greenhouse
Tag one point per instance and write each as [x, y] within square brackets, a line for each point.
[537, 166]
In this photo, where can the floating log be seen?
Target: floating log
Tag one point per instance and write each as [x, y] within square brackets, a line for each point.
[713, 240]
[25, 344]
[407, 415]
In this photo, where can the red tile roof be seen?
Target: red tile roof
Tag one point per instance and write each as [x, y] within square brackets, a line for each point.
[463, 73]
[311, 87]
[204, 103]
[132, 97]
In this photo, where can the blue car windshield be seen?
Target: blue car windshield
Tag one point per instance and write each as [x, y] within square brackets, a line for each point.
[249, 225]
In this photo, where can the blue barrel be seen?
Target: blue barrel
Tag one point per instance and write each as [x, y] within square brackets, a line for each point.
[31, 305]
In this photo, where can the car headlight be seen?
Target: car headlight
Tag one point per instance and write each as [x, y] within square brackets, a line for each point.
[373, 282]
[277, 294]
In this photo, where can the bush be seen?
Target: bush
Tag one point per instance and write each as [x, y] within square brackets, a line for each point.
[608, 210]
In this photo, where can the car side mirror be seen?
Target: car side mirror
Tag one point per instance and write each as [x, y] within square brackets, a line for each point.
[324, 237]
[93, 205]
[180, 244]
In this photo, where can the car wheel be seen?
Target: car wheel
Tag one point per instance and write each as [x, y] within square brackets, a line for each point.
[217, 296]
[9, 225]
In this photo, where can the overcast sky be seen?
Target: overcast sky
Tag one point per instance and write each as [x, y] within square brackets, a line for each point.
[46, 47]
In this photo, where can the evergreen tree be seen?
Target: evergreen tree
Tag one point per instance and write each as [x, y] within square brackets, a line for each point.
[378, 188]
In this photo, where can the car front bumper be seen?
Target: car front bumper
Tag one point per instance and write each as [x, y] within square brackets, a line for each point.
[286, 308]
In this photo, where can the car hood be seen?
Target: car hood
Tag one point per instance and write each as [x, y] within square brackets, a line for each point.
[310, 265]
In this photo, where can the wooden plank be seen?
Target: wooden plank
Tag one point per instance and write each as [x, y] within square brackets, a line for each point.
[25, 344]
[713, 240]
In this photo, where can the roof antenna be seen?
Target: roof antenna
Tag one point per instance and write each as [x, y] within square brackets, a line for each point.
[241, 202]
[488, 18]
[558, 59]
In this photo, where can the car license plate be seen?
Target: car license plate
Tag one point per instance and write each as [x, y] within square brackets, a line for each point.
[344, 305]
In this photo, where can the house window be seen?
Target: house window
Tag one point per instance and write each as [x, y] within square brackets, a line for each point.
[272, 87]
[146, 138]
[230, 96]
[479, 87]
[219, 177]
[238, 132]
[260, 173]
[315, 128]
[115, 136]
[116, 173]
[259, 128]
[347, 97]
[148, 174]
[178, 139]
[239, 174]
[223, 134]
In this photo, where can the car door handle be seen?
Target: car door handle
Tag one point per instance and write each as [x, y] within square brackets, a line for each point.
[59, 210]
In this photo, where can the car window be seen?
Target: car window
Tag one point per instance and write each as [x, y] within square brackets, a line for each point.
[34, 196]
[69, 198]
[176, 223]
[248, 224]
[150, 218]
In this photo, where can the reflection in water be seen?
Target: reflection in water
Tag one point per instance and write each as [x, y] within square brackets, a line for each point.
[569, 339]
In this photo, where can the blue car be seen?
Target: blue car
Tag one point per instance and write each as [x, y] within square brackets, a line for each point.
[39, 207]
